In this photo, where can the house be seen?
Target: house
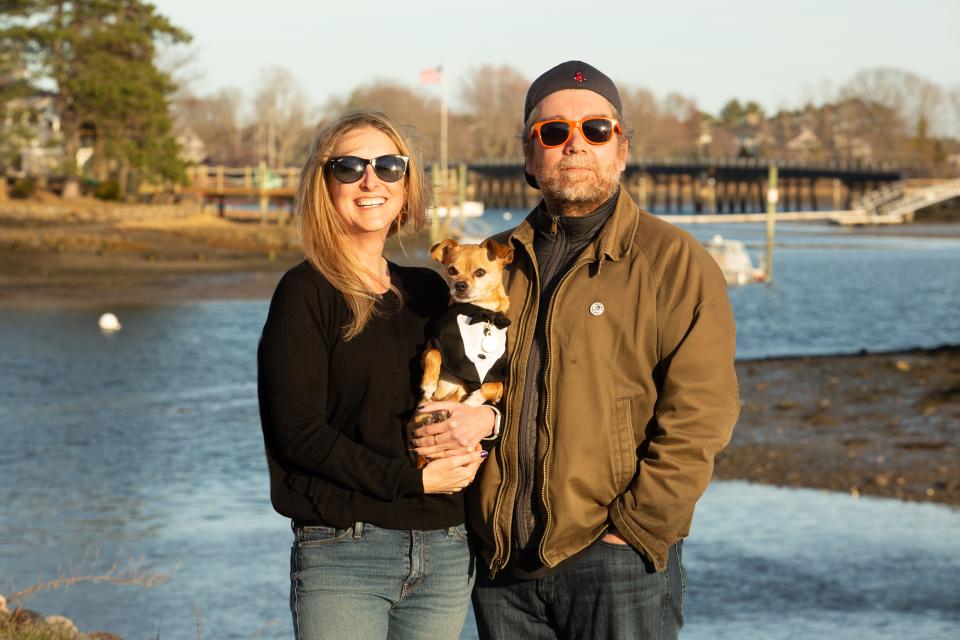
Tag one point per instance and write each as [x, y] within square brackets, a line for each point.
[751, 140]
[852, 147]
[193, 151]
[30, 132]
[805, 144]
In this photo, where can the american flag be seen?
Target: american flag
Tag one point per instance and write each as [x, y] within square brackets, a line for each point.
[433, 75]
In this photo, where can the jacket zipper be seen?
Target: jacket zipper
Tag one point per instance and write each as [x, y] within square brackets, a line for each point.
[546, 407]
[526, 474]
[498, 560]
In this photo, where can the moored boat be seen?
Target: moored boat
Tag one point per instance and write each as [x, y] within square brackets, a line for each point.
[734, 260]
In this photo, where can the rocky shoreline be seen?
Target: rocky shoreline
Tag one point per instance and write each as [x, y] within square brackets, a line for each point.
[877, 424]
[30, 625]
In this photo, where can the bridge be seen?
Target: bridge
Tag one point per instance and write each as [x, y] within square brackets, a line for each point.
[715, 185]
[664, 185]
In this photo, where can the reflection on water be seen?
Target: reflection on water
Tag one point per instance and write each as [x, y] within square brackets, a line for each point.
[147, 443]
[142, 443]
[784, 563]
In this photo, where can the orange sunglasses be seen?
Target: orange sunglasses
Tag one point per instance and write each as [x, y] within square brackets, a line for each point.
[595, 130]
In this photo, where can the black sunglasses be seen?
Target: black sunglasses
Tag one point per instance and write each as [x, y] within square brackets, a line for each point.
[388, 168]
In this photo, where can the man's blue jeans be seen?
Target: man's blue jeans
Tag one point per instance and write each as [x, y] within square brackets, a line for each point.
[607, 593]
[365, 582]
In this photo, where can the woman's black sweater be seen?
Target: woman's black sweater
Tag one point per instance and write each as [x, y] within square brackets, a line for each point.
[333, 411]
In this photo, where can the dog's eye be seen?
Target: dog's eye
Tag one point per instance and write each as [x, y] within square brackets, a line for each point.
[452, 270]
[479, 273]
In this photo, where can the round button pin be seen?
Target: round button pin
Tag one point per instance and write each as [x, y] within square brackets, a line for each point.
[596, 308]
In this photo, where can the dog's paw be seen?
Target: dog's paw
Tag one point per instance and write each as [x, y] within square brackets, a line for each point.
[423, 419]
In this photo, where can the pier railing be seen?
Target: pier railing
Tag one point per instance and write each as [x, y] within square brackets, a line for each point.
[244, 181]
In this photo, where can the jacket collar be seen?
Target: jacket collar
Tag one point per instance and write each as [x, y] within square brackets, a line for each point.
[576, 229]
[615, 239]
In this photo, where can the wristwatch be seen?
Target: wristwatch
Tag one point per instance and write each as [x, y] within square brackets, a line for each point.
[496, 423]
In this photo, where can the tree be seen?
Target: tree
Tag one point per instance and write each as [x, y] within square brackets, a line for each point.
[642, 113]
[100, 55]
[494, 103]
[129, 114]
[412, 110]
[910, 96]
[13, 133]
[753, 113]
[282, 118]
[217, 120]
[670, 126]
[732, 114]
[954, 98]
[856, 122]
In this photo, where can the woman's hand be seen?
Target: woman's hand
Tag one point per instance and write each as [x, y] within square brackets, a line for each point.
[459, 433]
[453, 473]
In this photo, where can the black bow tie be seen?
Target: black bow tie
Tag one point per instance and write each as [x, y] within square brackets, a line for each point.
[479, 314]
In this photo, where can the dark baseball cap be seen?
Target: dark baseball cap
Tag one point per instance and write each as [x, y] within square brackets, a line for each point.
[573, 74]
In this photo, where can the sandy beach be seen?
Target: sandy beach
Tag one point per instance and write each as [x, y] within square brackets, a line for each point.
[879, 424]
[89, 253]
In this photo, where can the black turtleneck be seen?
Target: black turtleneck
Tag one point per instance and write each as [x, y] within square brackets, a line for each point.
[557, 242]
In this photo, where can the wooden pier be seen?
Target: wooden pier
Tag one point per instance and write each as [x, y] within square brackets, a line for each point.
[261, 184]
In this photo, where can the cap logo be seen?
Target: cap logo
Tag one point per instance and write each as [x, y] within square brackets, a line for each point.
[579, 77]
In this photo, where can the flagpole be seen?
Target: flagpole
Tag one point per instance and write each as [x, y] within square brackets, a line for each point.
[443, 127]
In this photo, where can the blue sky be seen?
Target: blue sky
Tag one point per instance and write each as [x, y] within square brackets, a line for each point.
[780, 54]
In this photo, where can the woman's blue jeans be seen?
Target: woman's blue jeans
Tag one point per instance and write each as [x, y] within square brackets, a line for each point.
[365, 582]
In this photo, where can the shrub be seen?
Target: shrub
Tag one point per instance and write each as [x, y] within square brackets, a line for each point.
[107, 190]
[11, 630]
[23, 188]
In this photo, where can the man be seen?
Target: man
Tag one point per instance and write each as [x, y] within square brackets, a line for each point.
[620, 391]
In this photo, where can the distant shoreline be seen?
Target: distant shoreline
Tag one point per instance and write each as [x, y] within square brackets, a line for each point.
[88, 253]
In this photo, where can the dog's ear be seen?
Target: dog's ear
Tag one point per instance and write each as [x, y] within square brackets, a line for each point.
[439, 250]
[497, 251]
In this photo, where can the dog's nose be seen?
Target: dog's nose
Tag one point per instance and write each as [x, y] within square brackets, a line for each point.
[460, 286]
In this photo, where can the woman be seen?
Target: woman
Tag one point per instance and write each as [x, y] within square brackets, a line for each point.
[380, 547]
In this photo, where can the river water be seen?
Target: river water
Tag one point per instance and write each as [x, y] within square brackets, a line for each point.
[144, 446]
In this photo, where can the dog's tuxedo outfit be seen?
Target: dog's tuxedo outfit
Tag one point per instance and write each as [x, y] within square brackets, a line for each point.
[473, 343]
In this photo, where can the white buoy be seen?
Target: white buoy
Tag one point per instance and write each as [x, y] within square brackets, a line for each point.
[507, 215]
[109, 323]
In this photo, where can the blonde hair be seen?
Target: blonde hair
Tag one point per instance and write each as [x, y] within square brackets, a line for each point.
[322, 231]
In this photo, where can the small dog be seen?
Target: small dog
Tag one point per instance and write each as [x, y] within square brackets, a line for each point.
[466, 359]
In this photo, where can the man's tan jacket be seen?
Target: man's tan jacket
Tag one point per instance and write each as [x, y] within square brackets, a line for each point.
[640, 392]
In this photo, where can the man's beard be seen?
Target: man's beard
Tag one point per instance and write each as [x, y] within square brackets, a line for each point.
[580, 189]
